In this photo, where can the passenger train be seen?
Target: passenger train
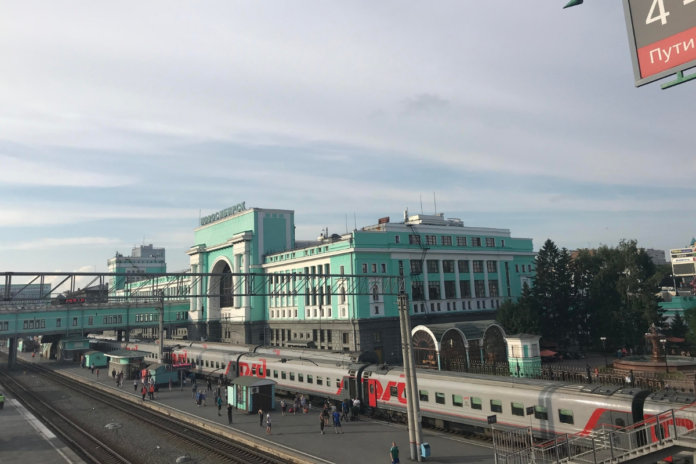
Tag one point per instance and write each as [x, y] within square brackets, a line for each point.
[450, 400]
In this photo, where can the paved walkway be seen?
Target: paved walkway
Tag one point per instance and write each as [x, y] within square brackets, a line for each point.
[364, 441]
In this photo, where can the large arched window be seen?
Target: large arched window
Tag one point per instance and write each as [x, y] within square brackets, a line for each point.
[226, 287]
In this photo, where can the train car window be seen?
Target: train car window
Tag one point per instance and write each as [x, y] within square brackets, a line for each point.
[275, 373]
[310, 378]
[300, 377]
[620, 423]
[393, 391]
[517, 409]
[476, 403]
[253, 370]
[540, 412]
[260, 372]
[457, 401]
[282, 375]
[292, 376]
[423, 395]
[320, 381]
[565, 416]
[439, 398]
[496, 406]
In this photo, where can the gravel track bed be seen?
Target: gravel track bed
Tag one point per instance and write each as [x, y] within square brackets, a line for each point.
[139, 443]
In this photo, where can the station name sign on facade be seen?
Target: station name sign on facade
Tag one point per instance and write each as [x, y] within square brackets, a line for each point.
[238, 208]
[662, 37]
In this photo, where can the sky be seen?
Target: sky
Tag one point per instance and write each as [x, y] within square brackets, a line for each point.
[121, 123]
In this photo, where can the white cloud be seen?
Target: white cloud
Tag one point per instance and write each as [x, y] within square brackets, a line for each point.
[15, 171]
[52, 242]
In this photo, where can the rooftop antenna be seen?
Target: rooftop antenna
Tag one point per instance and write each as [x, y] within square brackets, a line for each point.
[420, 195]
[355, 221]
[435, 203]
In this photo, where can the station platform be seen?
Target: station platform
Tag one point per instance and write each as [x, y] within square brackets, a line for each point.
[23, 438]
[365, 440]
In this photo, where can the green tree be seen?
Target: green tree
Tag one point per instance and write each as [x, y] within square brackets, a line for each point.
[520, 316]
[678, 327]
[553, 293]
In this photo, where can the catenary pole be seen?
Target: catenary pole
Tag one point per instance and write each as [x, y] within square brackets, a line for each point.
[412, 400]
[414, 385]
[402, 304]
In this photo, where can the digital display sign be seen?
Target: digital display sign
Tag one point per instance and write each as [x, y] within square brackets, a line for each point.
[662, 37]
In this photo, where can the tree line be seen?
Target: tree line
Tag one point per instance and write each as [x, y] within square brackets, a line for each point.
[578, 298]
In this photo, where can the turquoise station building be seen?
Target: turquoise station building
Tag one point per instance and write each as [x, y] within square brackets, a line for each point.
[451, 273]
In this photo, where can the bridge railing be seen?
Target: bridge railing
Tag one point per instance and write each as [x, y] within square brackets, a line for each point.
[607, 444]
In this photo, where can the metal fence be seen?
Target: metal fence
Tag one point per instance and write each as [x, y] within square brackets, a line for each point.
[608, 444]
[607, 376]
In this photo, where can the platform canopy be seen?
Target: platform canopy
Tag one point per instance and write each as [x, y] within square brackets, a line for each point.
[249, 381]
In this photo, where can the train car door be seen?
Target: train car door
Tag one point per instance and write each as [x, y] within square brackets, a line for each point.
[350, 383]
[372, 393]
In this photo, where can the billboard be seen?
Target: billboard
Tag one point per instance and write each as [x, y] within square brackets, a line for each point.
[662, 37]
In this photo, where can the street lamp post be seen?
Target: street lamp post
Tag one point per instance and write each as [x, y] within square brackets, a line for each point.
[664, 349]
[604, 348]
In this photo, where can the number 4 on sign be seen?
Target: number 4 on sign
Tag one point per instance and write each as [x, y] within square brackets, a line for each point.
[662, 16]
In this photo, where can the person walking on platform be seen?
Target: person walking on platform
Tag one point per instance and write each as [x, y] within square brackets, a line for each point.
[283, 407]
[260, 417]
[268, 423]
[344, 410]
[321, 423]
[135, 385]
[394, 453]
[143, 391]
[219, 405]
[92, 368]
[151, 391]
[337, 421]
[113, 374]
[229, 413]
[193, 391]
[325, 413]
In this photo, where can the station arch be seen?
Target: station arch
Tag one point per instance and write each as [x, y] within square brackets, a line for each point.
[454, 346]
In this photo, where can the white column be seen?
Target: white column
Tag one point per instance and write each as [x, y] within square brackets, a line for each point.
[472, 279]
[426, 285]
[442, 279]
[485, 278]
[457, 290]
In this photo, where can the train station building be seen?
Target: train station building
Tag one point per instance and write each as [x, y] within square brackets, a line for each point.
[336, 292]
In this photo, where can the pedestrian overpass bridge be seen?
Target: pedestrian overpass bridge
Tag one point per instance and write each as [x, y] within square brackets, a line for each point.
[656, 438]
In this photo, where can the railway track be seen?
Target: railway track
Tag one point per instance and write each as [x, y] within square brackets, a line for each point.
[85, 444]
[197, 445]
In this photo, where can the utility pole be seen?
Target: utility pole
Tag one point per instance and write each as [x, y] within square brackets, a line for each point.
[161, 325]
[415, 433]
